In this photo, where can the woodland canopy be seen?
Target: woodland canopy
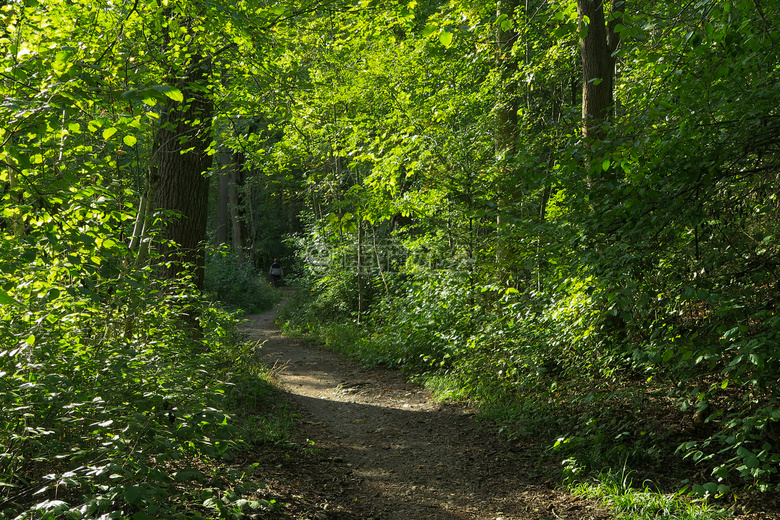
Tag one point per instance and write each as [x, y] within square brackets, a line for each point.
[565, 211]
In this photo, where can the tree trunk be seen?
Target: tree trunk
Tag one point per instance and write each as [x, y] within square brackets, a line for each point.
[506, 119]
[598, 44]
[506, 112]
[236, 205]
[221, 219]
[183, 188]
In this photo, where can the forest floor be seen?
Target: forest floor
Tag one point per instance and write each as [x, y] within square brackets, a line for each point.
[367, 444]
[370, 445]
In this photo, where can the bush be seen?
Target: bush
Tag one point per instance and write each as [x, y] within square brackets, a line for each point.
[116, 408]
[236, 284]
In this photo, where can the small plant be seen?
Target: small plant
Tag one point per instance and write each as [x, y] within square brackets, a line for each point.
[128, 419]
[631, 502]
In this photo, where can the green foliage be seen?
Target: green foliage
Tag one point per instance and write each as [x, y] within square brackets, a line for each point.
[119, 390]
[566, 286]
[632, 502]
[236, 285]
[104, 423]
[421, 329]
[459, 227]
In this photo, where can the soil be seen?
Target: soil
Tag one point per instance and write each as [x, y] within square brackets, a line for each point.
[370, 445]
[367, 444]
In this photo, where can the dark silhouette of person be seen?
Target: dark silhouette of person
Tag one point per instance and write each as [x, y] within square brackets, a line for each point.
[276, 272]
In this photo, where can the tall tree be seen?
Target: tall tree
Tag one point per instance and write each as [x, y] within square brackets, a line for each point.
[506, 111]
[221, 213]
[598, 43]
[506, 116]
[180, 153]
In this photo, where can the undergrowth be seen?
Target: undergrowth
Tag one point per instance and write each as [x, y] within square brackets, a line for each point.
[547, 368]
[630, 501]
[99, 421]
[236, 284]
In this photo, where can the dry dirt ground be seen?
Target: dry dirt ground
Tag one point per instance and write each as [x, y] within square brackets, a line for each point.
[372, 446]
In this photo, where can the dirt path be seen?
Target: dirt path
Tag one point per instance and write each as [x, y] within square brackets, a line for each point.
[385, 450]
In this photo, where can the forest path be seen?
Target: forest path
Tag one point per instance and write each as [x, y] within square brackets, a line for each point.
[386, 451]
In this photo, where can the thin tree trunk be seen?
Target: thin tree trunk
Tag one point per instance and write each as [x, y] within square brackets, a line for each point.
[360, 281]
[17, 223]
[236, 208]
[506, 116]
[221, 220]
[506, 112]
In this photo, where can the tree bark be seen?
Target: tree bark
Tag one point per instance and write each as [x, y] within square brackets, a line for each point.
[506, 112]
[221, 219]
[181, 158]
[236, 205]
[598, 44]
[506, 120]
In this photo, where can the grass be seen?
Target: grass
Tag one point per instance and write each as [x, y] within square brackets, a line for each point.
[629, 502]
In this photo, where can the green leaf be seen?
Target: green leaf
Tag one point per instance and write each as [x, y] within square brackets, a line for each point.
[172, 92]
[149, 100]
[130, 140]
[132, 495]
[5, 299]
[445, 37]
[108, 132]
[752, 461]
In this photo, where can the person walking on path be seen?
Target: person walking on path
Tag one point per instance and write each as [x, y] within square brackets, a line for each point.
[276, 272]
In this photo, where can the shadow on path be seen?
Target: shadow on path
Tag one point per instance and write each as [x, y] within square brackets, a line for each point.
[394, 454]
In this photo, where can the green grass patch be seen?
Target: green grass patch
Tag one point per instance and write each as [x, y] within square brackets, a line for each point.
[444, 387]
[631, 502]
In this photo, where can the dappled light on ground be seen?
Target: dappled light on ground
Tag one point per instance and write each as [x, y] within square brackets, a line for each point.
[388, 451]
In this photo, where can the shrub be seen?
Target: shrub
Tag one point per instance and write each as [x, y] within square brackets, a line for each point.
[236, 284]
